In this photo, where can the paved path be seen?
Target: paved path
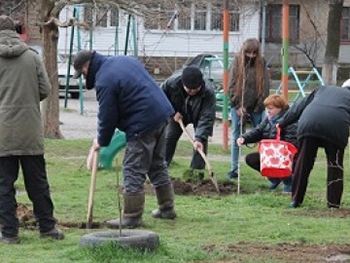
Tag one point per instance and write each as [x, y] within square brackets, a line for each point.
[79, 119]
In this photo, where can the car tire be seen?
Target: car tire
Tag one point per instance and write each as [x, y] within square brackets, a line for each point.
[74, 95]
[133, 238]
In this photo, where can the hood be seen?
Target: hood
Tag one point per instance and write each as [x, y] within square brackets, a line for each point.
[10, 44]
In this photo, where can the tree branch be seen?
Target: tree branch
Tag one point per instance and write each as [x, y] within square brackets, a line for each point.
[68, 23]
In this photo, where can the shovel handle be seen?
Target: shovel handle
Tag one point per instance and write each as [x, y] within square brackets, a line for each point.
[212, 175]
[92, 190]
[200, 151]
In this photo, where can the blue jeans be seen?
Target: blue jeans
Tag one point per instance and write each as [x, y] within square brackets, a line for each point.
[256, 118]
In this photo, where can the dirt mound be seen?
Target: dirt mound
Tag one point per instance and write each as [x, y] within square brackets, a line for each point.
[288, 252]
[202, 188]
[25, 216]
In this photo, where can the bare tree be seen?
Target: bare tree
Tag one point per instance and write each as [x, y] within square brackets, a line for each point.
[313, 38]
[49, 21]
[330, 66]
[50, 10]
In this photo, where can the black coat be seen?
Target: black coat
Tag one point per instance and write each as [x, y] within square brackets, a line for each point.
[198, 110]
[267, 130]
[324, 114]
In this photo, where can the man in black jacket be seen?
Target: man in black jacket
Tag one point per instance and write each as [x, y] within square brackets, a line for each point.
[193, 103]
[324, 118]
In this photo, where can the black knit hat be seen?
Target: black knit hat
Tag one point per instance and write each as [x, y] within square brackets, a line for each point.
[7, 23]
[80, 59]
[192, 77]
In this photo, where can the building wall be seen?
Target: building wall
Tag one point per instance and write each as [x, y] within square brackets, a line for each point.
[166, 51]
[156, 45]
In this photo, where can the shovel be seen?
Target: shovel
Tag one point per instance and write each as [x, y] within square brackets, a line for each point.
[92, 189]
[210, 170]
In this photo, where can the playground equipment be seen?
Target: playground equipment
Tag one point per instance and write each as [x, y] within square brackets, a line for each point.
[77, 9]
[310, 77]
[108, 153]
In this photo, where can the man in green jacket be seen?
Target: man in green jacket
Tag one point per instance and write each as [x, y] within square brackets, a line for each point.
[23, 84]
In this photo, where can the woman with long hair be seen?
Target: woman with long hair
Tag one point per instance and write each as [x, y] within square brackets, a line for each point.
[249, 85]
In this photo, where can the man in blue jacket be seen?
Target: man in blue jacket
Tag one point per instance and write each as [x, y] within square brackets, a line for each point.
[131, 101]
[323, 122]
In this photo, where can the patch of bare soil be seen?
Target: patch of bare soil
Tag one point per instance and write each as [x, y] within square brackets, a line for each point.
[329, 213]
[203, 188]
[25, 216]
[286, 253]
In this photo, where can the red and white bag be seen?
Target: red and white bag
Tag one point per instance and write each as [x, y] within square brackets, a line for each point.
[276, 157]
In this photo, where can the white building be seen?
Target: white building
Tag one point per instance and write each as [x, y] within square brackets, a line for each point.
[173, 36]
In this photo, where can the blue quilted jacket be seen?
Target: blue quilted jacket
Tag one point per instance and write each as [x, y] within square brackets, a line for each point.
[128, 97]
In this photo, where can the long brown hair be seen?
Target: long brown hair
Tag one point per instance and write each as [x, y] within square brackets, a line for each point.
[250, 45]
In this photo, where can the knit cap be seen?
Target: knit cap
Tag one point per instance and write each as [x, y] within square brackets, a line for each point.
[192, 77]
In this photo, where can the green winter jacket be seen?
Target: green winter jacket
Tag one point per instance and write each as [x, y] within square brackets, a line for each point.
[23, 84]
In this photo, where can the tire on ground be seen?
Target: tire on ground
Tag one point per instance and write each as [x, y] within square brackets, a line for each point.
[138, 239]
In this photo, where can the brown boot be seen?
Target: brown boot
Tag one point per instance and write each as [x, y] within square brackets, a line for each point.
[165, 198]
[132, 214]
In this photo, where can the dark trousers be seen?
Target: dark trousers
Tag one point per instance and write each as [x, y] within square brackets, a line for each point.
[308, 147]
[145, 156]
[253, 160]
[37, 187]
[173, 134]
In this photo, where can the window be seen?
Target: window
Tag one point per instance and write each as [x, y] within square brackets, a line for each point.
[217, 16]
[200, 17]
[188, 16]
[274, 23]
[101, 16]
[162, 18]
[184, 18]
[345, 25]
[114, 17]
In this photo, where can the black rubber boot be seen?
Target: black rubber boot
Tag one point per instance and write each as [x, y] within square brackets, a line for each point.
[132, 214]
[165, 198]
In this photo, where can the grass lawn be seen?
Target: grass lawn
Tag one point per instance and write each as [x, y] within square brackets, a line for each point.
[256, 225]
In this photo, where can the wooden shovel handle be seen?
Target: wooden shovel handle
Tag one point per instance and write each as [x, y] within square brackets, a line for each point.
[200, 151]
[92, 190]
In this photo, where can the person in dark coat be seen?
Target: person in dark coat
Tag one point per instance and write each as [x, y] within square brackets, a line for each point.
[130, 100]
[324, 118]
[23, 84]
[275, 107]
[193, 103]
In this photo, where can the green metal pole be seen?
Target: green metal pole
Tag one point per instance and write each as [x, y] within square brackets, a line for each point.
[127, 35]
[81, 92]
[69, 61]
[134, 36]
[116, 37]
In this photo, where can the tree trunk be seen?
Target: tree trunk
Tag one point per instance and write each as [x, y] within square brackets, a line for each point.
[330, 66]
[50, 106]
